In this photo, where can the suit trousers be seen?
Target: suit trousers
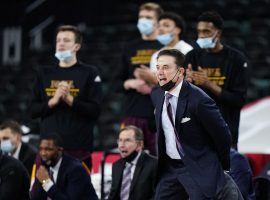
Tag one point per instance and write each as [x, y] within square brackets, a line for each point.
[230, 191]
[176, 184]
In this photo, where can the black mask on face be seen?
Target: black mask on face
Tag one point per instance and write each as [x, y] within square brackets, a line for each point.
[168, 86]
[131, 156]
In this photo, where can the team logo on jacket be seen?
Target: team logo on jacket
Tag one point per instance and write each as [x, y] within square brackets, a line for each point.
[50, 91]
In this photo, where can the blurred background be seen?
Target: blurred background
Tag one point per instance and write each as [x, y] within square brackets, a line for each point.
[27, 41]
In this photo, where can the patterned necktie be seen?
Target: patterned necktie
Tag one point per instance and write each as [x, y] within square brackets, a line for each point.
[126, 182]
[51, 175]
[170, 115]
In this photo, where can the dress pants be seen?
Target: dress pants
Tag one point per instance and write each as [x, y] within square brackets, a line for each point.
[176, 184]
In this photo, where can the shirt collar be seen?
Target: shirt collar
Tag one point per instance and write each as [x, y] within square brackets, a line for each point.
[175, 92]
[57, 166]
[134, 162]
[16, 154]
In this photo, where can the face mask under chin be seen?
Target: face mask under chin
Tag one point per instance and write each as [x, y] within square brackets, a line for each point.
[168, 86]
[63, 55]
[131, 156]
[165, 39]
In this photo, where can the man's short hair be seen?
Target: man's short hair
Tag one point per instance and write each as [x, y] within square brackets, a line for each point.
[178, 20]
[179, 57]
[74, 29]
[212, 16]
[150, 6]
[138, 132]
[14, 126]
[55, 137]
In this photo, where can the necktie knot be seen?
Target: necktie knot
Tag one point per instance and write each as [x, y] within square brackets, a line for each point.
[168, 97]
[129, 166]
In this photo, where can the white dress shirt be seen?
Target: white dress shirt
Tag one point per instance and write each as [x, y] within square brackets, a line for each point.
[168, 129]
[46, 186]
[17, 152]
[134, 163]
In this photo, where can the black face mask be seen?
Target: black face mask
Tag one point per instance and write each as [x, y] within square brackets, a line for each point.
[131, 156]
[168, 86]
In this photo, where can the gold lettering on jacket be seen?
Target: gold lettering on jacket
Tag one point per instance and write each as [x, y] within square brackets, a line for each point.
[214, 75]
[143, 56]
[50, 91]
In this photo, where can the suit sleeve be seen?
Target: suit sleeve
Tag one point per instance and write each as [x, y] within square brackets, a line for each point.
[90, 105]
[216, 127]
[37, 191]
[78, 182]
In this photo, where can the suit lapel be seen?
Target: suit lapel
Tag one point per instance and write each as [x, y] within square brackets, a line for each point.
[22, 153]
[181, 105]
[119, 174]
[159, 108]
[138, 169]
[61, 172]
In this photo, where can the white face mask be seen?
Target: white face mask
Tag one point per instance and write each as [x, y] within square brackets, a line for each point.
[207, 43]
[165, 39]
[7, 146]
[63, 55]
[145, 26]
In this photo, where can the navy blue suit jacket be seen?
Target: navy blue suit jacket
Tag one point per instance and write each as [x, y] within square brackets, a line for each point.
[205, 138]
[72, 183]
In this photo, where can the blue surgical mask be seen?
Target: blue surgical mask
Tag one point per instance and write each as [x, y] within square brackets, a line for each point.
[145, 26]
[207, 43]
[7, 146]
[63, 55]
[165, 39]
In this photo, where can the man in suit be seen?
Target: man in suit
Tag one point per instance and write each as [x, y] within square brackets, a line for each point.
[59, 176]
[139, 182]
[14, 180]
[11, 137]
[193, 138]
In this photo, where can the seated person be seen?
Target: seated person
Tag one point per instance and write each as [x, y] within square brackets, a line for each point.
[14, 179]
[134, 175]
[242, 175]
[11, 137]
[60, 176]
